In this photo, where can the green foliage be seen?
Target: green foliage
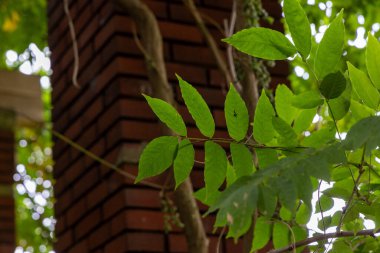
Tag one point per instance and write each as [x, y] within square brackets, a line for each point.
[184, 161]
[292, 152]
[373, 59]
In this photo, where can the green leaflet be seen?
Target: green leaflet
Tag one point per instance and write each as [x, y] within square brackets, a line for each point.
[207, 200]
[373, 59]
[197, 108]
[321, 137]
[262, 125]
[363, 87]
[340, 106]
[299, 234]
[299, 26]
[267, 202]
[333, 85]
[242, 159]
[366, 131]
[287, 191]
[283, 103]
[281, 235]
[167, 114]
[304, 119]
[268, 44]
[230, 174]
[157, 156]
[330, 49]
[287, 136]
[307, 100]
[236, 114]
[303, 215]
[324, 204]
[184, 161]
[266, 157]
[215, 166]
[261, 234]
[236, 205]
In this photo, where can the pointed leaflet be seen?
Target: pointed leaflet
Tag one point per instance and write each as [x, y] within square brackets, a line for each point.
[242, 159]
[262, 126]
[262, 233]
[262, 43]
[236, 114]
[373, 59]
[307, 100]
[281, 235]
[230, 174]
[330, 49]
[304, 119]
[287, 137]
[157, 156]
[167, 114]
[183, 162]
[363, 87]
[333, 85]
[215, 166]
[340, 106]
[236, 205]
[197, 108]
[283, 103]
[299, 26]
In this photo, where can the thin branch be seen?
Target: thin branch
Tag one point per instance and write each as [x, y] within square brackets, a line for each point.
[74, 43]
[322, 237]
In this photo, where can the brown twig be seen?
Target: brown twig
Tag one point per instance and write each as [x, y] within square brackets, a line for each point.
[74, 43]
[321, 237]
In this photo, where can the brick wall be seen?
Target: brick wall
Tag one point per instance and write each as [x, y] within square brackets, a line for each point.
[97, 209]
[7, 216]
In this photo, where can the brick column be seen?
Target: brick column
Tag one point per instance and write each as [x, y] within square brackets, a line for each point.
[7, 210]
[97, 209]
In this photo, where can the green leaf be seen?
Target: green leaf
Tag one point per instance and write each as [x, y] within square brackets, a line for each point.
[230, 174]
[363, 87]
[330, 49]
[267, 202]
[321, 137]
[373, 59]
[167, 114]
[288, 137]
[307, 100]
[333, 85]
[304, 120]
[207, 200]
[286, 214]
[366, 131]
[242, 159]
[340, 106]
[236, 114]
[266, 157]
[268, 44]
[360, 111]
[262, 233]
[325, 202]
[299, 234]
[324, 223]
[287, 191]
[299, 26]
[215, 166]
[157, 156]
[184, 161]
[281, 235]
[262, 126]
[197, 108]
[236, 205]
[303, 214]
[283, 103]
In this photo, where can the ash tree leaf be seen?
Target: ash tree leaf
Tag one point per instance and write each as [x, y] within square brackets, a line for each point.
[267, 201]
[184, 161]
[303, 214]
[167, 114]
[333, 85]
[236, 205]
[307, 100]
[330, 49]
[321, 137]
[242, 159]
[230, 174]
[262, 125]
[304, 120]
[299, 26]
[198, 108]
[262, 43]
[262, 233]
[215, 166]
[341, 105]
[157, 156]
[288, 137]
[363, 87]
[373, 59]
[236, 114]
[283, 104]
[324, 204]
[281, 235]
[287, 191]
